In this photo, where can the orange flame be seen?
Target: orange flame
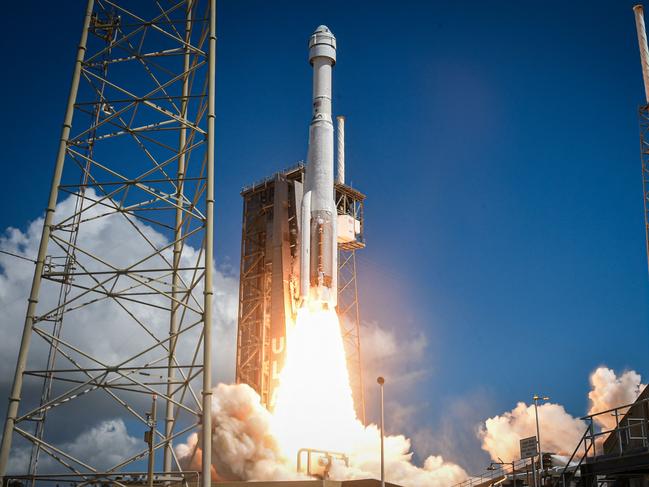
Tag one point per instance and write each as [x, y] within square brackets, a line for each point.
[314, 407]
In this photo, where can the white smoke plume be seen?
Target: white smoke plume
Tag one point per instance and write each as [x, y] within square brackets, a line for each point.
[610, 391]
[244, 448]
[560, 431]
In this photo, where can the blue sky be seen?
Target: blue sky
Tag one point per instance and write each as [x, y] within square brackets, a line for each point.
[497, 143]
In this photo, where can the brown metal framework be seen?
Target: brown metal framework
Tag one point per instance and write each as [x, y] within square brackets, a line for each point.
[351, 202]
[140, 156]
[269, 281]
[268, 258]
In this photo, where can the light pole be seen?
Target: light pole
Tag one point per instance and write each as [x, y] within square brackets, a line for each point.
[381, 381]
[538, 398]
[502, 464]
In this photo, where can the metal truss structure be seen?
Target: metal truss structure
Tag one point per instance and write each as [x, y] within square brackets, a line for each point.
[267, 277]
[114, 321]
[350, 202]
[268, 288]
[643, 114]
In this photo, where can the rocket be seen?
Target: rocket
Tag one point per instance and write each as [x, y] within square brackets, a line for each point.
[318, 239]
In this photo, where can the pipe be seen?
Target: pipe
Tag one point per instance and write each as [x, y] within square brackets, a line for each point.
[381, 381]
[21, 363]
[305, 252]
[208, 291]
[151, 442]
[177, 249]
[642, 44]
[340, 170]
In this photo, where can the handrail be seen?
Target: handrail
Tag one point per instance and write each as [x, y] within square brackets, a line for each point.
[517, 467]
[590, 416]
[267, 179]
[568, 463]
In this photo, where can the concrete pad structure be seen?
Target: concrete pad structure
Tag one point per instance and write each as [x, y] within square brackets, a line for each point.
[307, 483]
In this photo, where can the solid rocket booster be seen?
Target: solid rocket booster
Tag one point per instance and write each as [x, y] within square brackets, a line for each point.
[318, 249]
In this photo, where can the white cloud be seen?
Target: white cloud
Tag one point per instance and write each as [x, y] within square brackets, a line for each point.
[560, 431]
[610, 391]
[102, 446]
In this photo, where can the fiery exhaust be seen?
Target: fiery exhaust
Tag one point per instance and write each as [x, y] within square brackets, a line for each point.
[314, 407]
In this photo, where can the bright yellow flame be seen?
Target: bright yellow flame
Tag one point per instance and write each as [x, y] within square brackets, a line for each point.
[314, 407]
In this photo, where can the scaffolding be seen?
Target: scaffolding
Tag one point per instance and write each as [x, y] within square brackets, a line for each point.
[125, 323]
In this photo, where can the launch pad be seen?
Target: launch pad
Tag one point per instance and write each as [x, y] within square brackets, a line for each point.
[308, 483]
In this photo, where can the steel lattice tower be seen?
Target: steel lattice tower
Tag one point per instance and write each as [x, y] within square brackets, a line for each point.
[139, 155]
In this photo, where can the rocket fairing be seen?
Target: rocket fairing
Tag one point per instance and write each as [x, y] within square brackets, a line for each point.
[318, 243]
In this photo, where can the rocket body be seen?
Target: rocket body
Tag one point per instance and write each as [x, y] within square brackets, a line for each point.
[319, 247]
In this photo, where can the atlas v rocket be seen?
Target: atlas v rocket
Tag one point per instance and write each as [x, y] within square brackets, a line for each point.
[318, 240]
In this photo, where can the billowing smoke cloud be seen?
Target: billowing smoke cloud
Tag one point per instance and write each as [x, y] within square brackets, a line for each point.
[244, 448]
[560, 431]
[610, 391]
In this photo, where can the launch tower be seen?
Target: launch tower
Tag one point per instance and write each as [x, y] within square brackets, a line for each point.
[115, 329]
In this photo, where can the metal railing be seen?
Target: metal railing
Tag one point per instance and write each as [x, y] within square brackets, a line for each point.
[268, 179]
[115, 479]
[515, 469]
[594, 439]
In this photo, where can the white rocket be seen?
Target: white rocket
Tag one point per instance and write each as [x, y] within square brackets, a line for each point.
[319, 247]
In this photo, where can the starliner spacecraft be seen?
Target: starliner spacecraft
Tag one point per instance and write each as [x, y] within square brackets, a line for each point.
[318, 244]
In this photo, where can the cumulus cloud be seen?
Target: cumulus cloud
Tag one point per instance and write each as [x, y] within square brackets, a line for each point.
[610, 391]
[560, 431]
[102, 446]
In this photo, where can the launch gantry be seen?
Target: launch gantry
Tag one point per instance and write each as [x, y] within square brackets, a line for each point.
[114, 321]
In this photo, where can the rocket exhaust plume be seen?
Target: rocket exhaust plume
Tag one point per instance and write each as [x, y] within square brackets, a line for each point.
[318, 254]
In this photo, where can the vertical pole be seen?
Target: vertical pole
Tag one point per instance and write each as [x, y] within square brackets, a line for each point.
[538, 441]
[340, 132]
[642, 43]
[151, 442]
[178, 247]
[514, 473]
[209, 257]
[381, 381]
[21, 363]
